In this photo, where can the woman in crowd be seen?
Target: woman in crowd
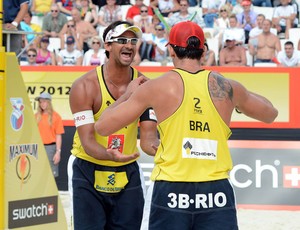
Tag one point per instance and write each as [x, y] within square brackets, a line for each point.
[95, 55]
[44, 56]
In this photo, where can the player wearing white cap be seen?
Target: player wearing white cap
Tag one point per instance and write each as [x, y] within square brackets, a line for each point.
[107, 181]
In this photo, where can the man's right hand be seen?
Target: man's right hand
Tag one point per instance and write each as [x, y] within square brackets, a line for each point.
[117, 156]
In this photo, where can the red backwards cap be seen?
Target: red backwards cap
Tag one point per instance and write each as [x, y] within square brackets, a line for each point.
[182, 31]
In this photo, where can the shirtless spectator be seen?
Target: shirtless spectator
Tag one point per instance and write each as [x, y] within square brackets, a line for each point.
[84, 28]
[53, 22]
[284, 17]
[266, 45]
[289, 57]
[232, 54]
[258, 28]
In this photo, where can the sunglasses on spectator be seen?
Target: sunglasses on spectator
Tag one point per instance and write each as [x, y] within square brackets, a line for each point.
[159, 29]
[223, 11]
[54, 11]
[71, 26]
[95, 42]
[183, 4]
[31, 55]
[144, 11]
[123, 41]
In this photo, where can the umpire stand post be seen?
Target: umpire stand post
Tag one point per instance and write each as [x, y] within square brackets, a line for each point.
[2, 117]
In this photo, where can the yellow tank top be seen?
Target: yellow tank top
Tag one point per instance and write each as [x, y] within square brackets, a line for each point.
[125, 139]
[194, 138]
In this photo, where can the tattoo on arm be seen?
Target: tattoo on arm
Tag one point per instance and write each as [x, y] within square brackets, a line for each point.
[219, 87]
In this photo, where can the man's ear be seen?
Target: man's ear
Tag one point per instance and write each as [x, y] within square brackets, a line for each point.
[107, 46]
[171, 51]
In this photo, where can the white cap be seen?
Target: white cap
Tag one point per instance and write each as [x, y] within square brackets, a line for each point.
[122, 28]
[44, 96]
[229, 37]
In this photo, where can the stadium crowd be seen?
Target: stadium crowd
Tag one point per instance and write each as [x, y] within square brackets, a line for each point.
[238, 32]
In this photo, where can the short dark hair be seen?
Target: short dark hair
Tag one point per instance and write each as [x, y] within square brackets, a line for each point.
[289, 43]
[109, 28]
[189, 52]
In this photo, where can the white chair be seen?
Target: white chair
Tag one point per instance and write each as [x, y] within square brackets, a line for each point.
[249, 58]
[37, 20]
[267, 11]
[213, 44]
[150, 63]
[124, 9]
[54, 45]
[265, 64]
[294, 35]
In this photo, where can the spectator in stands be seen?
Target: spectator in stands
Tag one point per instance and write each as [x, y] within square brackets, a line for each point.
[14, 12]
[65, 6]
[54, 22]
[247, 18]
[289, 57]
[258, 28]
[44, 56]
[70, 56]
[143, 20]
[85, 29]
[88, 12]
[70, 30]
[263, 3]
[157, 50]
[26, 25]
[136, 10]
[31, 57]
[209, 57]
[235, 30]
[222, 22]
[210, 11]
[166, 7]
[237, 9]
[284, 17]
[266, 45]
[95, 55]
[41, 7]
[232, 54]
[108, 13]
[185, 15]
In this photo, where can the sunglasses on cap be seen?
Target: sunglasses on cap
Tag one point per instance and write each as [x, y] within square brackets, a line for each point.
[123, 41]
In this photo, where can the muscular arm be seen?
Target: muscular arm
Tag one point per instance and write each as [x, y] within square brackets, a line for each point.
[83, 97]
[253, 105]
[228, 94]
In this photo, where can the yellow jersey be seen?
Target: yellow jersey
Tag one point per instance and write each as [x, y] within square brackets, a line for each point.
[194, 138]
[125, 139]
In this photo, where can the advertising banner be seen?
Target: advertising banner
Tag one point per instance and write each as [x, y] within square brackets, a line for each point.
[277, 84]
[31, 199]
[266, 174]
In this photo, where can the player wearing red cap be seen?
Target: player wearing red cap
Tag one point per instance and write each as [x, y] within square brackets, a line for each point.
[193, 108]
